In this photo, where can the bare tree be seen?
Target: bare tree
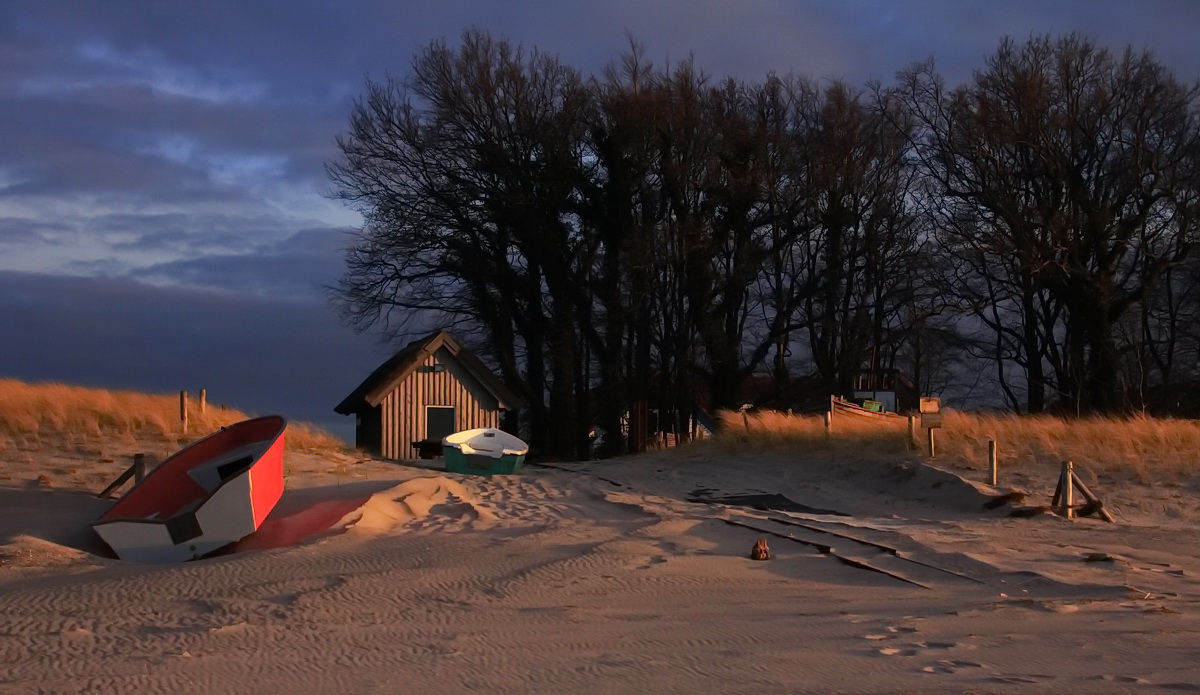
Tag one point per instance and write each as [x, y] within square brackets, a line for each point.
[1075, 166]
[466, 175]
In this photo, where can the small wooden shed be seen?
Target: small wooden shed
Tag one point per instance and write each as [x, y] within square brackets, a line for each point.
[431, 388]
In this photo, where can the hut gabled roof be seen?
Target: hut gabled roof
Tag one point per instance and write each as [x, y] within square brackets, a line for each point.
[397, 368]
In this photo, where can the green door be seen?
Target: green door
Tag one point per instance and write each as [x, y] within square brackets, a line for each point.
[439, 422]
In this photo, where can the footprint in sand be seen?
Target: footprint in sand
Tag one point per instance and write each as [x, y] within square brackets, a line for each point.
[950, 666]
[889, 632]
[656, 560]
[1123, 679]
[1023, 679]
[892, 632]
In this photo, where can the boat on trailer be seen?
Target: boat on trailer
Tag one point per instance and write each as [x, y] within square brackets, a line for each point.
[207, 495]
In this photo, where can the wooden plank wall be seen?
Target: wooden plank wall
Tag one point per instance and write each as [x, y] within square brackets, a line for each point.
[403, 410]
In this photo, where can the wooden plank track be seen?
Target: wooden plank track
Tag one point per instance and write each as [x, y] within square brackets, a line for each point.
[896, 552]
[828, 551]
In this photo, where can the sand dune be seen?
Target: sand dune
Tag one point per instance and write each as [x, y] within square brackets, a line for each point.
[603, 577]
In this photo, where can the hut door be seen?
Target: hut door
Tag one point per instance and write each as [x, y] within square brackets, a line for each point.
[439, 422]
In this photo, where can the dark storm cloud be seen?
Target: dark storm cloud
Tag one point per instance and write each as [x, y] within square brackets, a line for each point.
[261, 355]
[189, 233]
[17, 231]
[888, 35]
[123, 139]
[300, 266]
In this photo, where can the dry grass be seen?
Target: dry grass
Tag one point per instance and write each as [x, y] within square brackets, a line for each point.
[75, 414]
[769, 427]
[1147, 449]
[1150, 449]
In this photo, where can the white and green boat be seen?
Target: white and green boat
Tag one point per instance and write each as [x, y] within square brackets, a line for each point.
[484, 451]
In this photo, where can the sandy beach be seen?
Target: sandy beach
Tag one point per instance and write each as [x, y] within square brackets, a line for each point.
[622, 576]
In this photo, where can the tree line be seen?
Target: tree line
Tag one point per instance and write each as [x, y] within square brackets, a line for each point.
[655, 234]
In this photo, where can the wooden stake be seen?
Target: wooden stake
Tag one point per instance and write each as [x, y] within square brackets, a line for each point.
[183, 410]
[993, 467]
[912, 431]
[1067, 483]
[203, 399]
[932, 444]
[828, 423]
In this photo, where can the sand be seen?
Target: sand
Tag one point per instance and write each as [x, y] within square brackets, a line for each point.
[603, 577]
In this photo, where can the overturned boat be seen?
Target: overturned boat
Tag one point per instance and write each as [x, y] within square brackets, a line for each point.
[207, 495]
[484, 451]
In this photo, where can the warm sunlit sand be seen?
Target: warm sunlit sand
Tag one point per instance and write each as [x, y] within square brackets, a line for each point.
[619, 576]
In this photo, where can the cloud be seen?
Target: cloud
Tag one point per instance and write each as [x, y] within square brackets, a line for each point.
[297, 267]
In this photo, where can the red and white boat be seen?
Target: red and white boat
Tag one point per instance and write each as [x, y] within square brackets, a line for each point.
[207, 495]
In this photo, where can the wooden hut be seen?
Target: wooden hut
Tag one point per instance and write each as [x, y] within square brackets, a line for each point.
[431, 388]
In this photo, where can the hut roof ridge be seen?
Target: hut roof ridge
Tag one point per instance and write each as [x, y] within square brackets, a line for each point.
[397, 368]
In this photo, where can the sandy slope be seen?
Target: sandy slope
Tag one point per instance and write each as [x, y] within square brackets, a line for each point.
[604, 578]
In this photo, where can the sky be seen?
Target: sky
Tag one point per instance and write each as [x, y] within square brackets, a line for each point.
[166, 221]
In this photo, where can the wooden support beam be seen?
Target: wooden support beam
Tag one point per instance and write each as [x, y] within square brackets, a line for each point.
[993, 467]
[116, 483]
[139, 467]
[183, 410]
[1093, 500]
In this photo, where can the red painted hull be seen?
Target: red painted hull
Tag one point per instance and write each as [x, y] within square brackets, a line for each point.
[207, 495]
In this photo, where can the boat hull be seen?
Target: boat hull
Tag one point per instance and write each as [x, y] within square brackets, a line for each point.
[213, 492]
[478, 464]
[484, 451]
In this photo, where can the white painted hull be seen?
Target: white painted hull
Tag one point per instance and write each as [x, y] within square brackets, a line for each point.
[207, 496]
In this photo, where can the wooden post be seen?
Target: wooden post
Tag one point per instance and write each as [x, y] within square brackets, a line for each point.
[139, 467]
[912, 431]
[828, 423]
[932, 443]
[993, 463]
[203, 398]
[1067, 483]
[183, 410]
[745, 421]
